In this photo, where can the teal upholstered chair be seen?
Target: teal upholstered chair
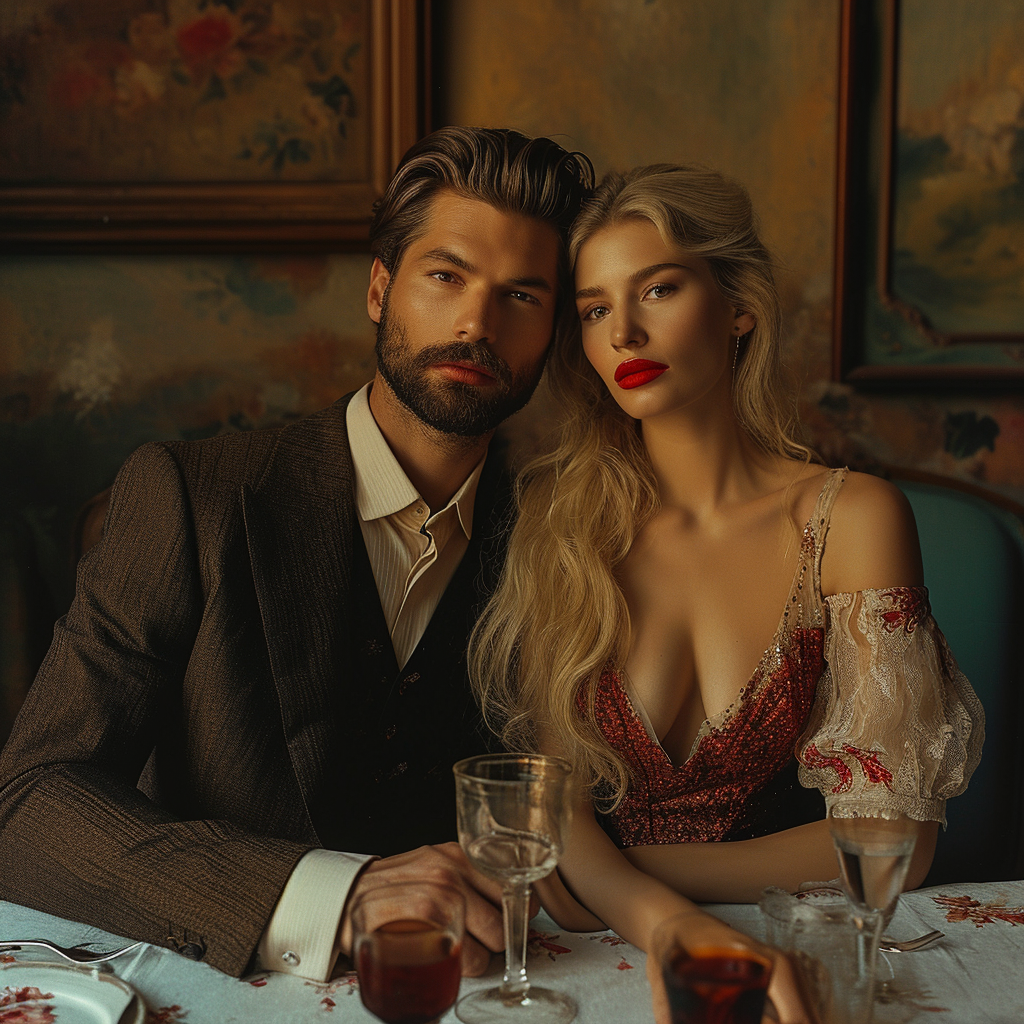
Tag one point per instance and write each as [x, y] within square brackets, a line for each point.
[974, 569]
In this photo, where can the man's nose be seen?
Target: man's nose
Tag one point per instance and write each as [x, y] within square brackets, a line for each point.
[475, 317]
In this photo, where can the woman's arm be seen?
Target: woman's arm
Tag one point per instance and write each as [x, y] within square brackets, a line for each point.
[598, 887]
[738, 872]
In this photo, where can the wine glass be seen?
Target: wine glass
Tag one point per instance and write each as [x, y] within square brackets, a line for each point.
[874, 855]
[512, 809]
[723, 984]
[407, 945]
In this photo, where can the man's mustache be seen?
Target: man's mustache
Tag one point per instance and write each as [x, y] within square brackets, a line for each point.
[465, 352]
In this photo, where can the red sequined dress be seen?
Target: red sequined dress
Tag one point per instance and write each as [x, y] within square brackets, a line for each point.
[857, 693]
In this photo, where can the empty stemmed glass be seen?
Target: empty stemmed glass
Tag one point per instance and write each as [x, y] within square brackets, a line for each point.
[874, 855]
[512, 810]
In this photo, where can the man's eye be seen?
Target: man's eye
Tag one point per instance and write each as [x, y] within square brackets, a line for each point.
[443, 275]
[524, 297]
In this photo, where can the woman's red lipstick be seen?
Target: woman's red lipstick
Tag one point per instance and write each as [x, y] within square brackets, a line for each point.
[634, 372]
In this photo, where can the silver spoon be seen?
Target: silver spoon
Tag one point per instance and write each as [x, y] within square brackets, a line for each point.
[887, 945]
[76, 954]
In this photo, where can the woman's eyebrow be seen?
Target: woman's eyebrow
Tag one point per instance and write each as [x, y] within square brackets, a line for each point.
[654, 269]
[634, 278]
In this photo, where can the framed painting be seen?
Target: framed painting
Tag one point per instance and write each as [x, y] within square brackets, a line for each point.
[191, 124]
[929, 263]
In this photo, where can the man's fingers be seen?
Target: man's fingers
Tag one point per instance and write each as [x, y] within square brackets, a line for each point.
[475, 958]
[488, 887]
[483, 921]
[444, 865]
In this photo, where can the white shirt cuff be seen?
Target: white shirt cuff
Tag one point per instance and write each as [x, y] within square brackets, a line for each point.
[301, 937]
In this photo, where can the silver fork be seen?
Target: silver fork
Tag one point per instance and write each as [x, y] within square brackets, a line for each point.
[76, 954]
[887, 945]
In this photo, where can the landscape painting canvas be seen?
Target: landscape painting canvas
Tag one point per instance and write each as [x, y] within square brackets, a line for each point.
[956, 249]
[183, 90]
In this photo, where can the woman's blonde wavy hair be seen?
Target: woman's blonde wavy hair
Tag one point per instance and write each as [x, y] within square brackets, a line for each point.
[558, 617]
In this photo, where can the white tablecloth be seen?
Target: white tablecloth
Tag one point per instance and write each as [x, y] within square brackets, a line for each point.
[975, 975]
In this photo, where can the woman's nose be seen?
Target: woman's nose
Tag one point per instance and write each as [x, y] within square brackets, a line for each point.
[628, 332]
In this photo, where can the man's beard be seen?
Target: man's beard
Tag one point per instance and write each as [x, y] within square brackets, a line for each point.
[450, 406]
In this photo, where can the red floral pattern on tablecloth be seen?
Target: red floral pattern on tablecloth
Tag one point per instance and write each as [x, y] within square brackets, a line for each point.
[25, 1005]
[541, 943]
[623, 965]
[166, 1015]
[609, 940]
[965, 908]
[6, 958]
[346, 985]
[890, 993]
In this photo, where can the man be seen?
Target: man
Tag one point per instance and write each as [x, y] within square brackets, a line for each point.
[228, 703]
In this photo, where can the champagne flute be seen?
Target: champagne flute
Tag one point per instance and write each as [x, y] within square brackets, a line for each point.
[874, 855]
[512, 809]
[407, 945]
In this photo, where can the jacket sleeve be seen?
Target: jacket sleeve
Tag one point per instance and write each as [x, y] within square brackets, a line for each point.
[77, 837]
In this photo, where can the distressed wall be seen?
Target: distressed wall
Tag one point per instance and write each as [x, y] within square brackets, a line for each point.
[101, 353]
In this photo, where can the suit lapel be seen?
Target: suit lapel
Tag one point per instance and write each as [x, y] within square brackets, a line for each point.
[299, 519]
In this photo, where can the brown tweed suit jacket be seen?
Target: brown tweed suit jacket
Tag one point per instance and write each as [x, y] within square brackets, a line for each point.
[205, 651]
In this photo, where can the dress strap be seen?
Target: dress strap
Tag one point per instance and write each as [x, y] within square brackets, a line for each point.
[822, 515]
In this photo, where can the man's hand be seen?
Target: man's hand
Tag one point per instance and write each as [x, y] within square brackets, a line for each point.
[446, 865]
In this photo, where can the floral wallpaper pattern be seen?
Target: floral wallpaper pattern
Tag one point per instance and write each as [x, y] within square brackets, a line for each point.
[102, 353]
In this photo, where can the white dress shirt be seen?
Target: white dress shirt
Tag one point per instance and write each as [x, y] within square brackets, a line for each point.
[413, 554]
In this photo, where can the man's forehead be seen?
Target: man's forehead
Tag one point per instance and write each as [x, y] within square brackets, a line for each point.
[464, 225]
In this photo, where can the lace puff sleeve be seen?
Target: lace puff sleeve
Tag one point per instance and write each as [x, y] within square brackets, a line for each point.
[895, 728]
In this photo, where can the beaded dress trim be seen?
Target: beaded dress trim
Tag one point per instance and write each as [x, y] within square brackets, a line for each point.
[739, 751]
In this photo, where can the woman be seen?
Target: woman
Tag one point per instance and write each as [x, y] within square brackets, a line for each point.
[670, 605]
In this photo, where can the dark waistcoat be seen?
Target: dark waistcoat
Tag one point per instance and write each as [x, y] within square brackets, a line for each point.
[406, 728]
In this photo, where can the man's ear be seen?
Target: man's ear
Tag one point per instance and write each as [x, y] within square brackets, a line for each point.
[380, 278]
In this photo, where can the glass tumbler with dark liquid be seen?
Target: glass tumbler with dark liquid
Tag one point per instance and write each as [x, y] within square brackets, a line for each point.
[407, 944]
[715, 986]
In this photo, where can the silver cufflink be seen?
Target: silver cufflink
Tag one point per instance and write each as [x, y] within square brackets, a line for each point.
[290, 958]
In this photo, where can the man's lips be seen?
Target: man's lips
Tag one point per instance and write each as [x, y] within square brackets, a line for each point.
[466, 372]
[635, 372]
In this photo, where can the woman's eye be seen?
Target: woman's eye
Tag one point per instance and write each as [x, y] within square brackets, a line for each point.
[595, 313]
[659, 291]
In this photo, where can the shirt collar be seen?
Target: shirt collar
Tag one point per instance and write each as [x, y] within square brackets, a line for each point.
[382, 488]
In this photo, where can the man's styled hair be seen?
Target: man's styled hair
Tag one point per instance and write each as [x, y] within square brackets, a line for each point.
[498, 166]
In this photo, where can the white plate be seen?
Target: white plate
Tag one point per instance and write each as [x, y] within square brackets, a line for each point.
[68, 995]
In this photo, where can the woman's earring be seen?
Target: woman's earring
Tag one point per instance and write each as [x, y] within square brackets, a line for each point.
[740, 338]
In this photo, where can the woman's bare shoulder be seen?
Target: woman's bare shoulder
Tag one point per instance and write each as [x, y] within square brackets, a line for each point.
[872, 538]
